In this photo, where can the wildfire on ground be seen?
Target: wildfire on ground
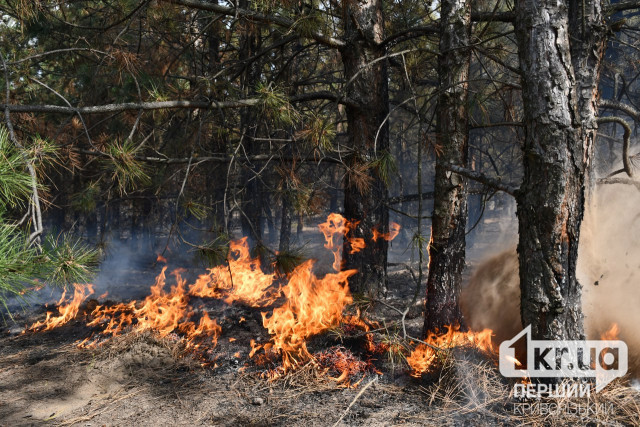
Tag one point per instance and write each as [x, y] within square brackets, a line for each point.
[424, 356]
[293, 308]
[67, 311]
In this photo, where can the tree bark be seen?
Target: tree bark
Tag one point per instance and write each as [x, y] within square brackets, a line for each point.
[587, 24]
[449, 219]
[252, 219]
[551, 197]
[367, 85]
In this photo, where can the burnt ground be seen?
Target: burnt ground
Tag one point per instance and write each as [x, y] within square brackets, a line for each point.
[141, 379]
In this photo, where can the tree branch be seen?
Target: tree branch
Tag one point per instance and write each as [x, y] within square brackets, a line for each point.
[626, 163]
[620, 106]
[495, 183]
[626, 181]
[167, 105]
[623, 5]
[35, 198]
[493, 16]
[256, 16]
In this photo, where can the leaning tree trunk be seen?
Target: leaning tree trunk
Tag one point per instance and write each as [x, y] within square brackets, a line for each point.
[367, 90]
[551, 197]
[449, 219]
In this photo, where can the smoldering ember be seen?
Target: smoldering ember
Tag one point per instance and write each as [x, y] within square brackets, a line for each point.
[320, 212]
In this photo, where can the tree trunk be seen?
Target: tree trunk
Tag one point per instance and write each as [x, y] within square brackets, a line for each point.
[586, 19]
[551, 197]
[252, 219]
[285, 224]
[367, 86]
[449, 219]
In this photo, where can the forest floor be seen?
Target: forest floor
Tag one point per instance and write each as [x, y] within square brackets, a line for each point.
[141, 379]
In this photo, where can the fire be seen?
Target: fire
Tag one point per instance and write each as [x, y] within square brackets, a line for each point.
[241, 280]
[307, 305]
[334, 229]
[345, 364]
[611, 333]
[312, 306]
[423, 357]
[67, 311]
[394, 230]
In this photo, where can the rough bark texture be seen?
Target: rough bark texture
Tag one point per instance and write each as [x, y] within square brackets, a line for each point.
[589, 30]
[551, 197]
[368, 88]
[449, 220]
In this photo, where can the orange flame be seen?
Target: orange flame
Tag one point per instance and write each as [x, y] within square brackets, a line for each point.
[334, 229]
[241, 280]
[611, 333]
[310, 305]
[422, 357]
[394, 230]
[313, 305]
[67, 311]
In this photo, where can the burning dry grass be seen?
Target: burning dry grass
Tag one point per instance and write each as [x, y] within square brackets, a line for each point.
[469, 390]
[297, 306]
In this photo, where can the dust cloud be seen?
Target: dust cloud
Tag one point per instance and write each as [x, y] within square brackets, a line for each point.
[608, 269]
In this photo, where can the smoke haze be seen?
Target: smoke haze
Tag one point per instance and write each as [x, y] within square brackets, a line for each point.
[608, 269]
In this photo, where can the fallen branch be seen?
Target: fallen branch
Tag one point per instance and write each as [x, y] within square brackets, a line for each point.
[360, 393]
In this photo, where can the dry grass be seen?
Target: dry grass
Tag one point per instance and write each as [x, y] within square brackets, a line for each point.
[470, 389]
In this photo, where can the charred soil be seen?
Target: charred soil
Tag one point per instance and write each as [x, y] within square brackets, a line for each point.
[144, 379]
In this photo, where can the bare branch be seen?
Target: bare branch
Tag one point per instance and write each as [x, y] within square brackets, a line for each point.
[35, 198]
[626, 163]
[623, 5]
[167, 105]
[495, 183]
[620, 106]
[626, 181]
[256, 16]
[493, 16]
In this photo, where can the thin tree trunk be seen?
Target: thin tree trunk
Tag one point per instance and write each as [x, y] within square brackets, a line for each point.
[252, 221]
[449, 219]
[285, 225]
[366, 74]
[551, 197]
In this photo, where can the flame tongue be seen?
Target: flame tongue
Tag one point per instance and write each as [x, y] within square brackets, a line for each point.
[242, 280]
[423, 357]
[611, 333]
[312, 306]
[67, 311]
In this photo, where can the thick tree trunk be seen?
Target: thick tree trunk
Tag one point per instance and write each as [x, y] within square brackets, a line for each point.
[367, 85]
[551, 197]
[449, 219]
